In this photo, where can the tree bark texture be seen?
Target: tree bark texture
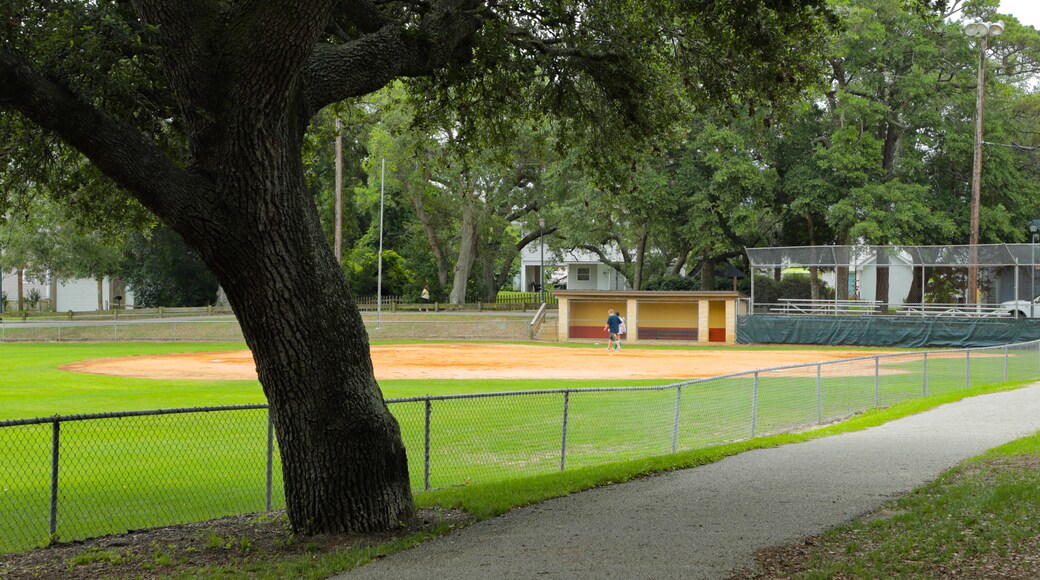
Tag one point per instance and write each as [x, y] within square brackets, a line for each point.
[881, 277]
[916, 293]
[637, 272]
[54, 294]
[708, 272]
[814, 271]
[841, 289]
[431, 236]
[467, 252]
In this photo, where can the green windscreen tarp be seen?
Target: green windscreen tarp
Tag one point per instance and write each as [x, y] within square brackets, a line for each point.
[884, 331]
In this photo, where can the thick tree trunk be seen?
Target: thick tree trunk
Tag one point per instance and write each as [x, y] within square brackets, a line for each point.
[21, 290]
[501, 278]
[431, 237]
[891, 137]
[54, 294]
[814, 270]
[707, 272]
[256, 227]
[487, 276]
[916, 294]
[343, 459]
[637, 274]
[881, 278]
[489, 251]
[467, 253]
[841, 276]
[680, 261]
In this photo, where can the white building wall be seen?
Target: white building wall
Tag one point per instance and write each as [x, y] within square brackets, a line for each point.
[9, 284]
[575, 271]
[78, 294]
[900, 278]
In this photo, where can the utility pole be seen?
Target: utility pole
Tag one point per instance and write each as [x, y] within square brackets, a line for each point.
[982, 31]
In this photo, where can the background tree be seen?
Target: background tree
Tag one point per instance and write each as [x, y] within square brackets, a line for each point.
[162, 270]
[465, 202]
[39, 240]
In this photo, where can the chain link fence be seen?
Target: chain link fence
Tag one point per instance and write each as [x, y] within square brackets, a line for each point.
[72, 477]
[388, 326]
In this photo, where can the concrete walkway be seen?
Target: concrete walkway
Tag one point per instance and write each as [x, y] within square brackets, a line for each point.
[708, 521]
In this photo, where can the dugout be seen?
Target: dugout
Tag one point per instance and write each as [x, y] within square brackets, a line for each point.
[652, 315]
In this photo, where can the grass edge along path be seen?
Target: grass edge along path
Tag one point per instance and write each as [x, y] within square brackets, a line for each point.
[485, 501]
[980, 519]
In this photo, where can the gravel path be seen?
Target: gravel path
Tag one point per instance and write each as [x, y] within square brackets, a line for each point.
[708, 521]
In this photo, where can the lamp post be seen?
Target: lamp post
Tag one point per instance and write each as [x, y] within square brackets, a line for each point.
[541, 259]
[1034, 231]
[982, 31]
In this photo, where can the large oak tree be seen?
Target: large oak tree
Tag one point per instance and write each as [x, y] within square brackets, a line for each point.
[198, 109]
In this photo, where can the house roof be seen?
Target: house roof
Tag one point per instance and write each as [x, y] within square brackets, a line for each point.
[650, 295]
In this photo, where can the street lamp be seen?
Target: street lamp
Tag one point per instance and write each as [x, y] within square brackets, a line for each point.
[541, 260]
[1034, 231]
[982, 31]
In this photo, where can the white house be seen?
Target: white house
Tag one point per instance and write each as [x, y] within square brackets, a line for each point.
[862, 281]
[577, 269]
[900, 277]
[78, 294]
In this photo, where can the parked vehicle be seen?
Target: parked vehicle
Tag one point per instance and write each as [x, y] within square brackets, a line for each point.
[1022, 308]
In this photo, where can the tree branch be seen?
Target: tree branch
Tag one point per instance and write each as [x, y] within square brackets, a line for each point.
[122, 153]
[334, 73]
[190, 26]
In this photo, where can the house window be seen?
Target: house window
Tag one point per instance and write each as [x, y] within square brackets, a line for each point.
[583, 274]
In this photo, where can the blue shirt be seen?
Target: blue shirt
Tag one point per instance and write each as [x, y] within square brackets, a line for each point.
[614, 323]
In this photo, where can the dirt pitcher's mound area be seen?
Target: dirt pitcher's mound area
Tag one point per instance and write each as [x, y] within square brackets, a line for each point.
[482, 361]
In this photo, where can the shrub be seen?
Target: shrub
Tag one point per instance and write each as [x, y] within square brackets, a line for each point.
[796, 286]
[672, 283]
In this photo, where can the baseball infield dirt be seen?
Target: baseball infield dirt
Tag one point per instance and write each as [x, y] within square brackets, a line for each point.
[484, 361]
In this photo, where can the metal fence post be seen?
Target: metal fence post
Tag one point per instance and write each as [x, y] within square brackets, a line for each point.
[675, 428]
[967, 369]
[115, 330]
[270, 457]
[426, 445]
[1005, 363]
[754, 406]
[819, 395]
[924, 375]
[563, 445]
[59, 331]
[877, 380]
[55, 446]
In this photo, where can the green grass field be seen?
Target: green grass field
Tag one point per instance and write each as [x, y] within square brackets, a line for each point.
[126, 473]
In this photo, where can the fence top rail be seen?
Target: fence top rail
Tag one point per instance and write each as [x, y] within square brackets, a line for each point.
[955, 256]
[124, 414]
[824, 301]
[109, 321]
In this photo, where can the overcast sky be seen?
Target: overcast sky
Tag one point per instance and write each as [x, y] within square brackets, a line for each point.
[1027, 11]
